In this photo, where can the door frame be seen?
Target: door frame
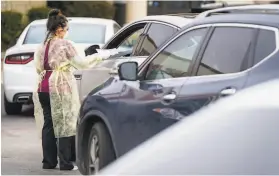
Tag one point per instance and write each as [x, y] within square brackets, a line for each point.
[240, 25]
[122, 33]
[143, 67]
[126, 29]
[139, 46]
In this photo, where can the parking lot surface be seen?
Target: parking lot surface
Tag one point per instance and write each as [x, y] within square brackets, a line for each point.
[21, 147]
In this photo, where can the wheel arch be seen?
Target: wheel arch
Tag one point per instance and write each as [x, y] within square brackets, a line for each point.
[93, 117]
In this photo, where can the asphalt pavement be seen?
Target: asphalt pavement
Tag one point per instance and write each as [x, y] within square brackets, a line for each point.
[21, 146]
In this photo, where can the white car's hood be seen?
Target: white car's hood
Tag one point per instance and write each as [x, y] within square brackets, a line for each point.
[29, 48]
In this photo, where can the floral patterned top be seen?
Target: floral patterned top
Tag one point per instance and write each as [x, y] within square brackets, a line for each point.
[62, 60]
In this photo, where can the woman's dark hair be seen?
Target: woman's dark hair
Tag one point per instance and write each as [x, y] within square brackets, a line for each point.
[55, 20]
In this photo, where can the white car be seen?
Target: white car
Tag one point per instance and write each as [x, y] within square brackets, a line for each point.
[19, 75]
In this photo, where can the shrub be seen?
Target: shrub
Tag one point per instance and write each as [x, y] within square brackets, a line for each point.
[98, 9]
[37, 13]
[11, 24]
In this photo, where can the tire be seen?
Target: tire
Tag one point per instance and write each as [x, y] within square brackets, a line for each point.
[105, 151]
[12, 108]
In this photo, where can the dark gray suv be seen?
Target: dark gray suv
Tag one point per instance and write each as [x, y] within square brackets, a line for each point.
[215, 56]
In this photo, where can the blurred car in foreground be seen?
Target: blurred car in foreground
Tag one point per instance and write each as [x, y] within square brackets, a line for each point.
[235, 136]
[19, 71]
[197, 66]
[135, 42]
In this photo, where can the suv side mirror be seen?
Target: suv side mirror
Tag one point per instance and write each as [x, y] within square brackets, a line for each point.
[91, 50]
[128, 71]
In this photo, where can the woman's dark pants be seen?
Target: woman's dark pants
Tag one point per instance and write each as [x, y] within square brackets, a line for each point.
[50, 143]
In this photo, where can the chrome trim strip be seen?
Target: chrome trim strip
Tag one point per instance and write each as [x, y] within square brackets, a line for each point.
[139, 22]
[275, 30]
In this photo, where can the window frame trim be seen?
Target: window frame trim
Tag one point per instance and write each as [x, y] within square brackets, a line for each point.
[257, 39]
[147, 22]
[138, 40]
[205, 39]
[125, 30]
[120, 31]
[146, 63]
[250, 55]
[245, 25]
[141, 38]
[209, 26]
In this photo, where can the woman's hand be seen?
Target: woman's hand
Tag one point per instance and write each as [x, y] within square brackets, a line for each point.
[105, 54]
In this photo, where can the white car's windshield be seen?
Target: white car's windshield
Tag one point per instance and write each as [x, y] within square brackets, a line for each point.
[78, 33]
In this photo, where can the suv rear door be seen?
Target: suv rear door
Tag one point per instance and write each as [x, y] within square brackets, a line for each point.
[150, 104]
[266, 58]
[221, 67]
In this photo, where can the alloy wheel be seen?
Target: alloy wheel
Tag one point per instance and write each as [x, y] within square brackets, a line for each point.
[94, 156]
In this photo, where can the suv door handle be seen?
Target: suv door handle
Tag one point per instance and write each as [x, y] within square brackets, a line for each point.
[227, 92]
[169, 97]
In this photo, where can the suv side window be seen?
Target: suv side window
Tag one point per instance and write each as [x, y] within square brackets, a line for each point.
[131, 41]
[175, 60]
[266, 44]
[122, 38]
[154, 39]
[227, 51]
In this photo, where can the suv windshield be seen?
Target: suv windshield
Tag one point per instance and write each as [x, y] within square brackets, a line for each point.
[78, 33]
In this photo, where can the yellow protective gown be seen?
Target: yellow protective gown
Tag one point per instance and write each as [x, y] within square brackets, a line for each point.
[64, 97]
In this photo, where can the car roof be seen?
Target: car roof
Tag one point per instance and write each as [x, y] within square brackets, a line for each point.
[257, 19]
[80, 20]
[244, 8]
[175, 20]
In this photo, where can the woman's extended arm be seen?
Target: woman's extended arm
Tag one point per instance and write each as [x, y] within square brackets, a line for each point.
[87, 62]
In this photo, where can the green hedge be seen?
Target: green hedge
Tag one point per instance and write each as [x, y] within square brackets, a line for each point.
[98, 9]
[11, 24]
[37, 13]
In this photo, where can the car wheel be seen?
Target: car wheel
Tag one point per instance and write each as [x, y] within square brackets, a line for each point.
[101, 151]
[12, 108]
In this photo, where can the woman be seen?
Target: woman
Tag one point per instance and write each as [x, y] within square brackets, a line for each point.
[56, 97]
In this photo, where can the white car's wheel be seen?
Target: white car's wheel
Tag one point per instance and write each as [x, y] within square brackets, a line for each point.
[12, 108]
